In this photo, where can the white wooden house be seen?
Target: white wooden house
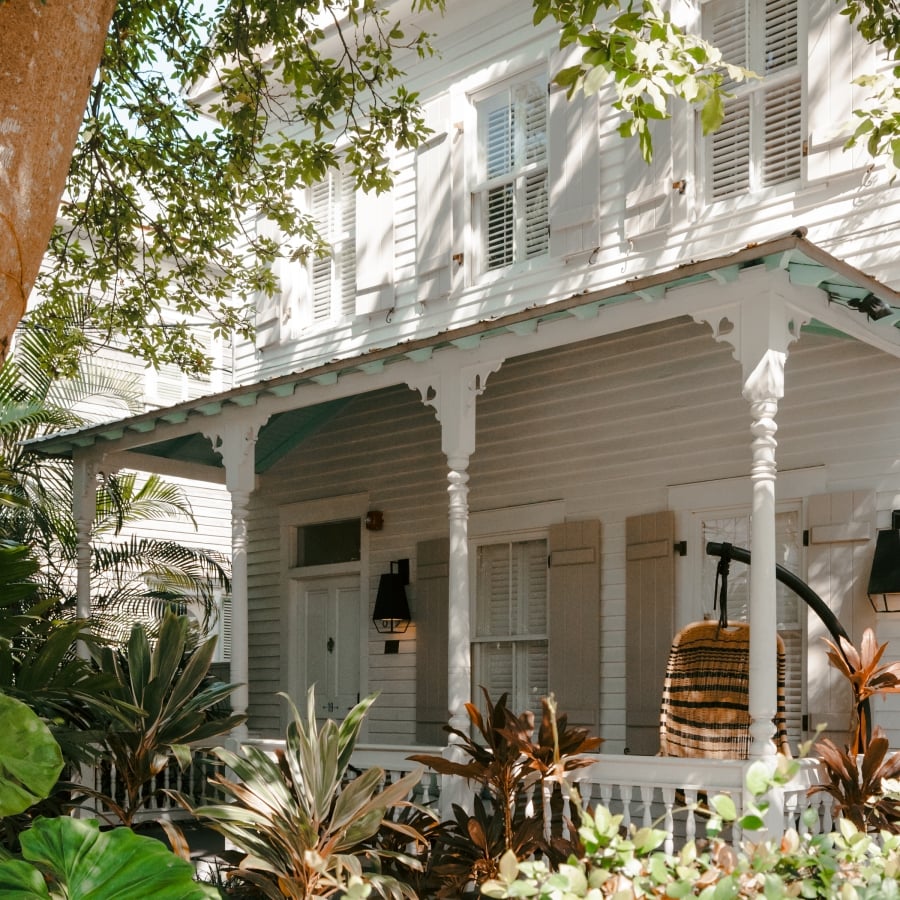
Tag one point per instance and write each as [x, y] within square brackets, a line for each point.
[547, 365]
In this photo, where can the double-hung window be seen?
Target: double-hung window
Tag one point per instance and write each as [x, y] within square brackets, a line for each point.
[760, 142]
[510, 635]
[332, 279]
[511, 197]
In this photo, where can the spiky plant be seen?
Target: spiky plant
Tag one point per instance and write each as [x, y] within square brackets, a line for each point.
[304, 825]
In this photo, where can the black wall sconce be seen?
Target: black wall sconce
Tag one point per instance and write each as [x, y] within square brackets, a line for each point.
[884, 582]
[391, 615]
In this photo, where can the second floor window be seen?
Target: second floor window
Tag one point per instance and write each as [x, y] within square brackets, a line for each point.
[333, 277]
[760, 142]
[511, 199]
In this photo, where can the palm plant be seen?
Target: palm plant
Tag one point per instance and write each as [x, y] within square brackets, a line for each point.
[304, 826]
[130, 577]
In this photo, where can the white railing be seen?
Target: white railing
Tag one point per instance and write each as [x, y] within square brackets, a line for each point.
[666, 793]
[671, 794]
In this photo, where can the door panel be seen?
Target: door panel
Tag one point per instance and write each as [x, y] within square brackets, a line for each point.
[328, 641]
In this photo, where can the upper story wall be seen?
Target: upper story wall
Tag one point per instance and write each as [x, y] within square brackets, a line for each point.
[521, 196]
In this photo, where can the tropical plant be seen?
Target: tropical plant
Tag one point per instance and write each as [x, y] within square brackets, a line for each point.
[858, 785]
[71, 858]
[166, 683]
[866, 678]
[74, 859]
[515, 770]
[623, 863]
[302, 823]
[30, 759]
[130, 577]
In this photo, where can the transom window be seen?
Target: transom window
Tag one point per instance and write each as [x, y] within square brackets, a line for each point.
[332, 203]
[760, 142]
[510, 639]
[511, 201]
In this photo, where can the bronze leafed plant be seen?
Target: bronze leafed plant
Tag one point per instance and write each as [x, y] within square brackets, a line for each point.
[512, 766]
[857, 787]
[867, 679]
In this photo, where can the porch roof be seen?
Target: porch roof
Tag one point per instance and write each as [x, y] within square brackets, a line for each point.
[857, 305]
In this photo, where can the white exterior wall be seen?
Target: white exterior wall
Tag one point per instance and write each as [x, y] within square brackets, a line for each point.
[852, 216]
[606, 427]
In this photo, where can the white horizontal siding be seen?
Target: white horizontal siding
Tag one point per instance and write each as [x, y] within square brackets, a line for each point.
[606, 427]
[855, 218]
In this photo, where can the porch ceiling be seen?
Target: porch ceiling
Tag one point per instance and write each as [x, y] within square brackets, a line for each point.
[874, 316]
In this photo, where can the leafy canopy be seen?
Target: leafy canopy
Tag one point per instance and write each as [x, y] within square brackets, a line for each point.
[153, 241]
[152, 235]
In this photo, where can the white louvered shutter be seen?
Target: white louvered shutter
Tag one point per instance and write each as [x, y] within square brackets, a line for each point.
[434, 209]
[838, 54]
[374, 252]
[759, 144]
[574, 167]
[333, 277]
[783, 103]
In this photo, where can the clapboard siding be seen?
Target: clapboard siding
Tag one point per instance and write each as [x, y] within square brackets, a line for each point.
[853, 217]
[607, 427]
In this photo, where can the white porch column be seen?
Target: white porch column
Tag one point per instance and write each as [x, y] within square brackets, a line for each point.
[763, 388]
[452, 393]
[236, 443]
[760, 322]
[84, 509]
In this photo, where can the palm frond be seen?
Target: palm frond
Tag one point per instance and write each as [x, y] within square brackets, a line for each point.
[127, 497]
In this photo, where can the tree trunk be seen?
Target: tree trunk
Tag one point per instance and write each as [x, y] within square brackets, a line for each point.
[49, 53]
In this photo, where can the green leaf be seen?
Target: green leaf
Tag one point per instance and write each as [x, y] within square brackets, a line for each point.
[724, 806]
[112, 865]
[19, 879]
[712, 113]
[30, 758]
[758, 778]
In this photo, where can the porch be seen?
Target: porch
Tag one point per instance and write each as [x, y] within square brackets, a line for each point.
[754, 302]
[665, 793]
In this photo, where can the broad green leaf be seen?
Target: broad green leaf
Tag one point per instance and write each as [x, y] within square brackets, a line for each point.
[112, 865]
[20, 879]
[30, 758]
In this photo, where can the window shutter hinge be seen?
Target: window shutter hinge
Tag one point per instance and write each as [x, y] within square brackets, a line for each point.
[549, 560]
[681, 548]
[805, 537]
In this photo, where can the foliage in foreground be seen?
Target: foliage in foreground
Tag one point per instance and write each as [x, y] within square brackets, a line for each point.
[72, 858]
[302, 823]
[628, 863]
[515, 769]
